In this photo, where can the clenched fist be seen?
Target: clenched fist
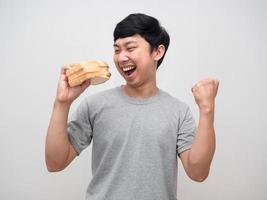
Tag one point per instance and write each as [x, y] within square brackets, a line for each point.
[205, 92]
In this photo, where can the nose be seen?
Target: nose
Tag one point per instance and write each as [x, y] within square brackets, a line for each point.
[122, 57]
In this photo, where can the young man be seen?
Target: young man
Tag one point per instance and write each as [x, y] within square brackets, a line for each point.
[137, 129]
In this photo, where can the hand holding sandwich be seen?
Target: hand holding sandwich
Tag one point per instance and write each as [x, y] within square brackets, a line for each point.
[74, 79]
[65, 93]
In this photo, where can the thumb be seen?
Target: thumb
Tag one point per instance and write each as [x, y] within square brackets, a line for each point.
[63, 69]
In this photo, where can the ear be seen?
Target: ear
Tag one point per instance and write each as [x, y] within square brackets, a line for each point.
[159, 52]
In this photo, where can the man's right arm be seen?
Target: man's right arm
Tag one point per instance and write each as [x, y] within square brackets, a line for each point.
[59, 152]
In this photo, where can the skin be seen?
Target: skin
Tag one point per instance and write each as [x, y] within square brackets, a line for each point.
[58, 150]
[135, 51]
[197, 160]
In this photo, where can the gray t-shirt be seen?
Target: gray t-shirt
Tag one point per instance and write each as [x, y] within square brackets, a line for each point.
[135, 143]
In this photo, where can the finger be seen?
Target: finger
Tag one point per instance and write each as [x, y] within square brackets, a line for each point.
[217, 86]
[193, 89]
[64, 68]
[217, 82]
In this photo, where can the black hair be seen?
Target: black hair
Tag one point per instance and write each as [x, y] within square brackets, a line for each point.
[147, 27]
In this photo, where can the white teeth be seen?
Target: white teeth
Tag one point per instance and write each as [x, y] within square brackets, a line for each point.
[125, 69]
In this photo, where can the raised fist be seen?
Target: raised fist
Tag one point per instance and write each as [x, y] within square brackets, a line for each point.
[205, 92]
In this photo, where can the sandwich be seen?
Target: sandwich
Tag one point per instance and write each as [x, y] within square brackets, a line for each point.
[95, 71]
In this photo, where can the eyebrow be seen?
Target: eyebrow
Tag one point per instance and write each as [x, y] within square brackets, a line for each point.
[126, 44]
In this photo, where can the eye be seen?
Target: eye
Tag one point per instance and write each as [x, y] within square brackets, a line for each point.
[130, 49]
[116, 51]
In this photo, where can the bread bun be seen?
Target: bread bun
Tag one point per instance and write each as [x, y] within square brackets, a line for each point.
[96, 71]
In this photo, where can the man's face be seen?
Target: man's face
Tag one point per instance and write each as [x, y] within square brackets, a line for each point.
[134, 60]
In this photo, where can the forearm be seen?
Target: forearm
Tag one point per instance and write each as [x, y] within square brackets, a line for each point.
[57, 141]
[198, 159]
[203, 148]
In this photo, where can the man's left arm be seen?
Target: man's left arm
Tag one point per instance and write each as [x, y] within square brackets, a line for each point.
[197, 160]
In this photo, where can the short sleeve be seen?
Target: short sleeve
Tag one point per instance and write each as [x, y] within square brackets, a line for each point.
[80, 128]
[186, 132]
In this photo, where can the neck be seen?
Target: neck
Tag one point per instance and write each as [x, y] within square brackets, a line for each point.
[142, 92]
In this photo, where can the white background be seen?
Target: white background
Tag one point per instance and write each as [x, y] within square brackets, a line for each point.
[209, 38]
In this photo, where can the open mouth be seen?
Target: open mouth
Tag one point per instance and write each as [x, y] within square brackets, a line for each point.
[128, 70]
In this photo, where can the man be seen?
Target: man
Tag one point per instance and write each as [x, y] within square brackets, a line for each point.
[137, 129]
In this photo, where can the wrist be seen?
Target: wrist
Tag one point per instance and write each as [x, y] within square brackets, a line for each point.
[206, 110]
[207, 107]
[62, 105]
[207, 114]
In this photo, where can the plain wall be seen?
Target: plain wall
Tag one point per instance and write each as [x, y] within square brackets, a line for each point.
[209, 38]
